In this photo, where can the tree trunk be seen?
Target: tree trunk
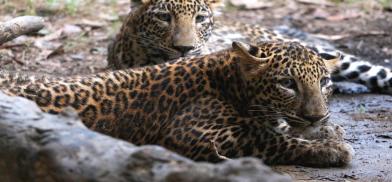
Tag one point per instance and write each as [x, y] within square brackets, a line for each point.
[36, 146]
[19, 26]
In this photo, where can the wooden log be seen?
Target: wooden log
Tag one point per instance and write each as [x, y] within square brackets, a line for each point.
[19, 26]
[36, 146]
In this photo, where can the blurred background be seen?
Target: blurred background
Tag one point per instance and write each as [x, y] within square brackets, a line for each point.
[77, 32]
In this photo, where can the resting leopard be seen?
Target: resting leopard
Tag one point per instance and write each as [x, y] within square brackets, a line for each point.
[210, 108]
[161, 30]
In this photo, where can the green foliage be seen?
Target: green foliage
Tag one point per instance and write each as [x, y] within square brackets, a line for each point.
[347, 1]
[386, 3]
[51, 2]
[31, 7]
[69, 6]
[361, 108]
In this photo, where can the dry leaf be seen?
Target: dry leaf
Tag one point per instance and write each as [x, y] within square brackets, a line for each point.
[317, 2]
[59, 50]
[90, 23]
[71, 30]
[331, 37]
[345, 16]
[252, 4]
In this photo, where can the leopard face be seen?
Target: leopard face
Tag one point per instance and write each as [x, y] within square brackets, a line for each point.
[178, 24]
[289, 81]
[161, 30]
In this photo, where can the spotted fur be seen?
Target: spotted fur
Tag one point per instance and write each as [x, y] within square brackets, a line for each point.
[161, 30]
[211, 108]
[145, 40]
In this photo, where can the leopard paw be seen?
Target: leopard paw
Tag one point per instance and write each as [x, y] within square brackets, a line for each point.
[327, 154]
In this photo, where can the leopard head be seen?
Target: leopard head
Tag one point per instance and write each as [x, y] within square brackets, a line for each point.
[174, 28]
[287, 80]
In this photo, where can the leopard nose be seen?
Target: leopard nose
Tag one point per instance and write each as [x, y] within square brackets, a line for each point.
[184, 49]
[314, 118]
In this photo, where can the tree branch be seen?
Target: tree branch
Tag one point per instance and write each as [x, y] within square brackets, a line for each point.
[19, 26]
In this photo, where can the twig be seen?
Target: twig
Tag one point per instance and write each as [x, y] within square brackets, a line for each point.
[8, 46]
[343, 36]
[18, 61]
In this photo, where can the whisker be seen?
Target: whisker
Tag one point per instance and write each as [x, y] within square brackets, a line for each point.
[266, 111]
[153, 44]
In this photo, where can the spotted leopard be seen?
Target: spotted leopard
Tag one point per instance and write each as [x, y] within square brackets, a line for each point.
[152, 35]
[210, 108]
[161, 30]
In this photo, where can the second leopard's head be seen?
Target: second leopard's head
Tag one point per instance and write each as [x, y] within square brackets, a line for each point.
[175, 28]
[286, 80]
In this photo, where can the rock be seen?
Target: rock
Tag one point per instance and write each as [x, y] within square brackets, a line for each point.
[45, 147]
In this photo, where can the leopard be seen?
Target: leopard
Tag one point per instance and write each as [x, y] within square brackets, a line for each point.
[150, 36]
[162, 30]
[216, 107]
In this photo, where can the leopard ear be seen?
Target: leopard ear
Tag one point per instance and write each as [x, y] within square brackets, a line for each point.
[250, 64]
[136, 3]
[332, 64]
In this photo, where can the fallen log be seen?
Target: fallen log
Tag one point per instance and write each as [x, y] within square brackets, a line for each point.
[19, 26]
[43, 147]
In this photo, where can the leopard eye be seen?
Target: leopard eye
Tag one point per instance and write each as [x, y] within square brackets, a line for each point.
[166, 17]
[288, 83]
[325, 81]
[200, 18]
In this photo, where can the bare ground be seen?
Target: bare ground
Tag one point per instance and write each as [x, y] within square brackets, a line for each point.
[75, 43]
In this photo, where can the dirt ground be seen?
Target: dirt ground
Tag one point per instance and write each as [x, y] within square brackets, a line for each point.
[75, 40]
